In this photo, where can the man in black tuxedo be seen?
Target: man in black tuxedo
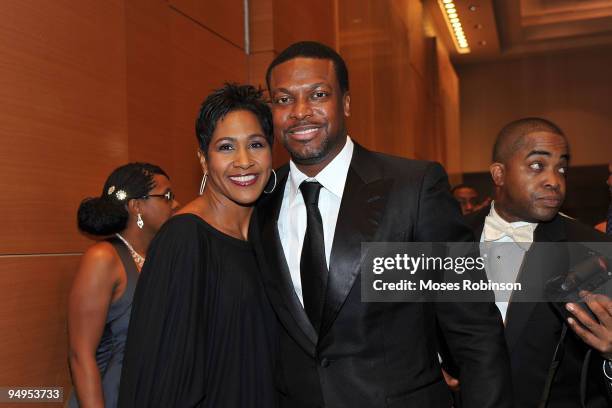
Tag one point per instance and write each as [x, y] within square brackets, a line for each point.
[335, 350]
[530, 158]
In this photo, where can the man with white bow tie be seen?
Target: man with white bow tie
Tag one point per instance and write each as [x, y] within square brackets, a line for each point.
[551, 365]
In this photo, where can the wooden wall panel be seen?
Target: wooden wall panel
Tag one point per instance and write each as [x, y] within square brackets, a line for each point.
[387, 90]
[449, 140]
[258, 65]
[224, 18]
[261, 33]
[357, 31]
[63, 115]
[389, 96]
[360, 124]
[572, 89]
[404, 102]
[201, 62]
[411, 14]
[314, 20]
[149, 85]
[33, 307]
[420, 114]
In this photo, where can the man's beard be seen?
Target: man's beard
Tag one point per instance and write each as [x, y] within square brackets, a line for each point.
[310, 156]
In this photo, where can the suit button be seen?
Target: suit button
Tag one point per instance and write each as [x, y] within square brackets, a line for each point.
[324, 362]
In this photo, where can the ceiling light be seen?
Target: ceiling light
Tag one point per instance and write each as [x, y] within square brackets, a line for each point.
[454, 24]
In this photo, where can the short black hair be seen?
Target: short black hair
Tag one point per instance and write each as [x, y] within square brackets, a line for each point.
[232, 97]
[458, 186]
[312, 49]
[107, 214]
[512, 136]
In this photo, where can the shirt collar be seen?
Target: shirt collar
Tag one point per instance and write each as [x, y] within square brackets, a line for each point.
[516, 224]
[332, 177]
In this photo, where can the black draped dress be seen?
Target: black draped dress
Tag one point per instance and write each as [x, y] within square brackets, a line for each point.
[202, 333]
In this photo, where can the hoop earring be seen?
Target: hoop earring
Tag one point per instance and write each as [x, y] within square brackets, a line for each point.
[203, 183]
[274, 186]
[139, 221]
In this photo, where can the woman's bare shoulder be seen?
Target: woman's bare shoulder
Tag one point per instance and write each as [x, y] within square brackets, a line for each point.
[100, 261]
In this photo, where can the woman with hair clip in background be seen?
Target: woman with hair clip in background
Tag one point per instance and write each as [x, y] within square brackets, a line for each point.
[202, 331]
[136, 200]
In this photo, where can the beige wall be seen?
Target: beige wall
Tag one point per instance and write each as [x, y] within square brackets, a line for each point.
[572, 89]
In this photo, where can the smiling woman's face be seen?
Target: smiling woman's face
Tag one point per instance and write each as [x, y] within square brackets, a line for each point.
[239, 159]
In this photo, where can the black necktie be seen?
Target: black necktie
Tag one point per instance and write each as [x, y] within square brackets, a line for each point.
[313, 267]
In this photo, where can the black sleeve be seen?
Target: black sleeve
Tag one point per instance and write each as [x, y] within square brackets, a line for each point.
[473, 332]
[164, 357]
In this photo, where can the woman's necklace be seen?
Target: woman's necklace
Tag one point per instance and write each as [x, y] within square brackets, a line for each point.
[139, 259]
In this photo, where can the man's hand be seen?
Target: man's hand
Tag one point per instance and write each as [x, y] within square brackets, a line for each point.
[596, 334]
[451, 381]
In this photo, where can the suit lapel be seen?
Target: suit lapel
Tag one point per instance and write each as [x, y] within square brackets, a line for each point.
[277, 277]
[536, 270]
[361, 210]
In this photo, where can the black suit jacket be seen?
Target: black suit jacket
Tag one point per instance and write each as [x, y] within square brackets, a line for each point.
[533, 330]
[380, 354]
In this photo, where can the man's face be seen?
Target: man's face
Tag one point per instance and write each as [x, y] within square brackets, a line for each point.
[610, 177]
[532, 185]
[466, 196]
[309, 110]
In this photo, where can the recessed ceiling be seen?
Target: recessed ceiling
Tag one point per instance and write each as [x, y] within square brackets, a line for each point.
[510, 28]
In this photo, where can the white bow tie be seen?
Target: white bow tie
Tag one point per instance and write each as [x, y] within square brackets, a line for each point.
[495, 230]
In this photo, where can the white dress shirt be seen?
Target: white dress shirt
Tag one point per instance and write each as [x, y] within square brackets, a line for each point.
[503, 262]
[292, 216]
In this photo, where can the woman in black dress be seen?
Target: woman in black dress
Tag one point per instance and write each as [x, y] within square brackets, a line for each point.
[202, 331]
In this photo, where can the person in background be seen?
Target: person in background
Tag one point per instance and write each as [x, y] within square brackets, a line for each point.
[136, 200]
[467, 196]
[606, 225]
[551, 355]
[202, 330]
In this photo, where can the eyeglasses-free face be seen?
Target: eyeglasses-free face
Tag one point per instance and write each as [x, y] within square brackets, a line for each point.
[239, 159]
